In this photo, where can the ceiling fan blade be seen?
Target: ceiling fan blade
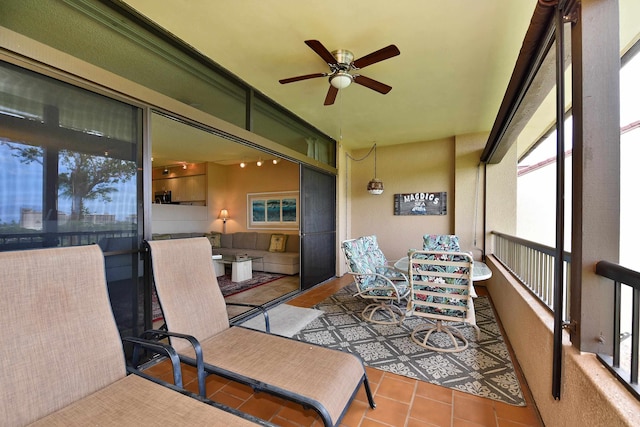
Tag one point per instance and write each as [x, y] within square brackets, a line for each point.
[331, 95]
[372, 84]
[305, 77]
[321, 51]
[377, 56]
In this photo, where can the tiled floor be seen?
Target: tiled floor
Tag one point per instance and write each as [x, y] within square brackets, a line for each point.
[400, 401]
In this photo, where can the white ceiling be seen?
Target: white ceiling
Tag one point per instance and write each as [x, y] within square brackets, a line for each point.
[449, 79]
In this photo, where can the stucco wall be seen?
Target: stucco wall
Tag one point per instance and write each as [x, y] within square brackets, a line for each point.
[590, 396]
[407, 168]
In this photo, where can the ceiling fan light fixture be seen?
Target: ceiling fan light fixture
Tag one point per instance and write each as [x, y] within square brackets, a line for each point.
[341, 80]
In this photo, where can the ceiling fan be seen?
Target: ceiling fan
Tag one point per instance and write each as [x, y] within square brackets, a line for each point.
[341, 63]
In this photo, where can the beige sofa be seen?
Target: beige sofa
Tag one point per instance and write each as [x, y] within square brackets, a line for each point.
[253, 244]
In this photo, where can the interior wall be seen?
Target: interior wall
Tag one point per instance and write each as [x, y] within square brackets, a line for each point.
[233, 184]
[408, 168]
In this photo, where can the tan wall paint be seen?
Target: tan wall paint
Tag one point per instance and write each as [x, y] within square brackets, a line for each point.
[343, 206]
[590, 395]
[229, 185]
[469, 192]
[502, 197]
[408, 168]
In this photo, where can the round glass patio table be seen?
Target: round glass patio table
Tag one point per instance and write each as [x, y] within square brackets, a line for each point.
[480, 270]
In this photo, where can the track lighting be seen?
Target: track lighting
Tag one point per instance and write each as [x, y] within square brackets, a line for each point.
[259, 163]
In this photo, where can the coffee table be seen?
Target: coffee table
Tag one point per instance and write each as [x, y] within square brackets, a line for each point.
[241, 268]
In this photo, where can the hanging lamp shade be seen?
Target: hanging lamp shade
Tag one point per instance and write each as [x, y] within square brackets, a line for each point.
[375, 186]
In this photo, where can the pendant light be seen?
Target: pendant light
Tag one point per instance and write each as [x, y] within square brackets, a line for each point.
[375, 186]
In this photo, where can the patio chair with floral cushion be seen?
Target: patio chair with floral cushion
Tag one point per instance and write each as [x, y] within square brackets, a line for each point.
[375, 279]
[440, 285]
[441, 242]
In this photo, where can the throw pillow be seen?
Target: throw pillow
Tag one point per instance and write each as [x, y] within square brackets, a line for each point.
[278, 243]
[214, 239]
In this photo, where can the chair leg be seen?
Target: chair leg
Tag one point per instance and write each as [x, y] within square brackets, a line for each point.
[395, 314]
[460, 343]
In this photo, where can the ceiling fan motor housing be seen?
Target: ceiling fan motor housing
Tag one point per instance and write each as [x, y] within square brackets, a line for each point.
[340, 77]
[344, 58]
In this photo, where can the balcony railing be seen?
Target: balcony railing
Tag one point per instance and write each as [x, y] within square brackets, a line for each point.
[533, 265]
[624, 362]
[17, 241]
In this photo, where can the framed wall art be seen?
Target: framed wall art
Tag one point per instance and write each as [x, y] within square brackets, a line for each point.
[277, 210]
[420, 203]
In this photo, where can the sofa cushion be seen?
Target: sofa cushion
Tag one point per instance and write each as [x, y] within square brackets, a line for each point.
[263, 241]
[245, 240]
[181, 235]
[293, 243]
[278, 243]
[214, 239]
[226, 240]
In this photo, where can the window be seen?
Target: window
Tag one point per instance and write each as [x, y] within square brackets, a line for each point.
[69, 163]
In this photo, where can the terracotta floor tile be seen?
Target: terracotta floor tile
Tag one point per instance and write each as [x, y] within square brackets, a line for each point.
[458, 422]
[431, 411]
[474, 409]
[412, 422]
[374, 375]
[297, 415]
[396, 388]
[521, 414]
[215, 383]
[283, 422]
[261, 406]
[226, 399]
[362, 393]
[509, 423]
[372, 423]
[435, 392]
[354, 414]
[389, 411]
[240, 391]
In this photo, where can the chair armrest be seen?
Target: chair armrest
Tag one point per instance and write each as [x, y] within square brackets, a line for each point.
[394, 270]
[267, 328]
[158, 348]
[197, 348]
[399, 295]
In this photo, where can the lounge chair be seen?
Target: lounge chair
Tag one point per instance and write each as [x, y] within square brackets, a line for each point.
[323, 379]
[62, 360]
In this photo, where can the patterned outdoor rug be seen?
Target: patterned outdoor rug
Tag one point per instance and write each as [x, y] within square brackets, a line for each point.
[483, 369]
